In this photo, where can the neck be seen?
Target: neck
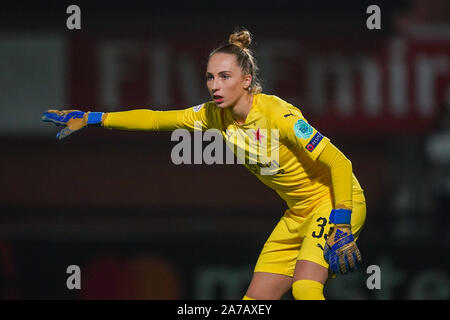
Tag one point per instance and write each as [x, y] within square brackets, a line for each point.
[241, 109]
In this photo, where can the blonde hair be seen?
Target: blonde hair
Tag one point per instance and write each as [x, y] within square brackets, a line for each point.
[238, 45]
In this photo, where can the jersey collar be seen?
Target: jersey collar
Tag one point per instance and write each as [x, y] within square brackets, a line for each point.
[251, 117]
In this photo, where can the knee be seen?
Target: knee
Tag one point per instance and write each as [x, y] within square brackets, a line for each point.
[307, 290]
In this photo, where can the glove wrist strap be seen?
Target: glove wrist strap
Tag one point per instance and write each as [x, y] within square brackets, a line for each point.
[340, 216]
[94, 118]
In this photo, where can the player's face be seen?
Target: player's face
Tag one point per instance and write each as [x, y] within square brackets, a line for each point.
[225, 80]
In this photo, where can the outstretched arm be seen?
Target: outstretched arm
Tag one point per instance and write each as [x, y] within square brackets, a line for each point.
[136, 120]
[144, 120]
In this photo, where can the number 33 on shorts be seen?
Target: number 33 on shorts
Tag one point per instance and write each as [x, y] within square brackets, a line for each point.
[321, 224]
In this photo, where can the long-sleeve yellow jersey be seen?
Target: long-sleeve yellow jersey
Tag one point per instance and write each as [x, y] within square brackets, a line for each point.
[276, 143]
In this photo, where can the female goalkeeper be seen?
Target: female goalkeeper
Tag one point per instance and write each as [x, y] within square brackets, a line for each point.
[326, 205]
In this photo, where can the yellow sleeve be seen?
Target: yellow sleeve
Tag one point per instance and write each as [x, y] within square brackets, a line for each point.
[296, 132]
[151, 120]
[341, 175]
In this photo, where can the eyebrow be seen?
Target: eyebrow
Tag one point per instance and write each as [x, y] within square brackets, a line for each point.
[220, 72]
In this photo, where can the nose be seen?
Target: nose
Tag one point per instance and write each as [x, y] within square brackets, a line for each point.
[215, 85]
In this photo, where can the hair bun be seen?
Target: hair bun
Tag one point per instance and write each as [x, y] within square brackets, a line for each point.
[242, 39]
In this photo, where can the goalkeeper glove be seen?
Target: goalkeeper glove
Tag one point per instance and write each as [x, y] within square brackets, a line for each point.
[72, 120]
[340, 250]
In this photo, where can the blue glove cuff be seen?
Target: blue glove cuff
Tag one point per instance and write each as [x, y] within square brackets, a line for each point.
[94, 118]
[340, 216]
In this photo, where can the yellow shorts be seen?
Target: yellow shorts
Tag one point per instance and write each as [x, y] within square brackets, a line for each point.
[303, 238]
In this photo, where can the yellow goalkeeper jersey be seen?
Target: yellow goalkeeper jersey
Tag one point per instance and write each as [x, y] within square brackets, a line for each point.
[276, 143]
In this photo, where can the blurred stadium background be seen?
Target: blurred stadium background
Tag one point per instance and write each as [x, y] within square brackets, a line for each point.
[141, 227]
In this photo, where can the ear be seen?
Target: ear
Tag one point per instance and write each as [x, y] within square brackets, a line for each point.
[247, 81]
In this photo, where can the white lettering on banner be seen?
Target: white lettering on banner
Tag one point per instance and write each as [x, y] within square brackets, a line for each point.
[342, 68]
[159, 62]
[419, 84]
[397, 78]
[371, 87]
[113, 69]
[191, 85]
[427, 71]
[273, 56]
[405, 79]
[109, 76]
[316, 75]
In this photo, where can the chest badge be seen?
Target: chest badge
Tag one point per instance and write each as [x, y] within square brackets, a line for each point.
[258, 136]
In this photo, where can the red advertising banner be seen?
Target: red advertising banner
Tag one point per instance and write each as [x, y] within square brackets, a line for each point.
[396, 85]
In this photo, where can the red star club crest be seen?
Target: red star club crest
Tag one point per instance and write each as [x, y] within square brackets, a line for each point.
[258, 136]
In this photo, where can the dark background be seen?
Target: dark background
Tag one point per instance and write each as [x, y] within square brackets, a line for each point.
[139, 226]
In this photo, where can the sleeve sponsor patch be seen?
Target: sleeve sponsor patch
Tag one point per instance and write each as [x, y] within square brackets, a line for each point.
[302, 129]
[312, 144]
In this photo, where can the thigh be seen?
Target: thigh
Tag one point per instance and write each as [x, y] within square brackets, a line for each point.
[308, 270]
[281, 249]
[315, 233]
[268, 286]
